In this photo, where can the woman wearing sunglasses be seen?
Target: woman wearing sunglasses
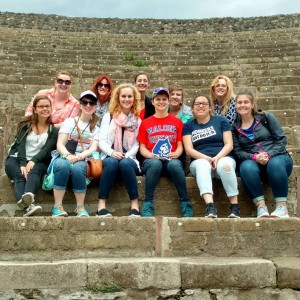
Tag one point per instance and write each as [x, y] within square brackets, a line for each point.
[208, 140]
[117, 140]
[102, 87]
[29, 155]
[77, 139]
[64, 105]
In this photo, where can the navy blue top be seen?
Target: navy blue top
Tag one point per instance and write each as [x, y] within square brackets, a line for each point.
[207, 138]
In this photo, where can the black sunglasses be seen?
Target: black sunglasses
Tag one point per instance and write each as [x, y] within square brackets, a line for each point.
[85, 102]
[61, 81]
[106, 85]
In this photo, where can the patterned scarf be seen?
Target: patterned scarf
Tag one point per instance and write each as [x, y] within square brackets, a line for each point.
[130, 124]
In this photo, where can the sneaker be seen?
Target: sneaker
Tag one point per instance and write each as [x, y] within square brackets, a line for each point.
[134, 213]
[262, 212]
[186, 209]
[211, 211]
[103, 213]
[234, 211]
[280, 212]
[148, 209]
[26, 200]
[32, 210]
[81, 212]
[58, 211]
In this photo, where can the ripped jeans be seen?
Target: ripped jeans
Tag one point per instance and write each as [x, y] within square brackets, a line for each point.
[202, 170]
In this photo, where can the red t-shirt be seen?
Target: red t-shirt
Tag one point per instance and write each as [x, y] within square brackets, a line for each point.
[154, 130]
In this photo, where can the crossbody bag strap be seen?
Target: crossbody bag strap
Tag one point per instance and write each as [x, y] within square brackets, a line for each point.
[79, 134]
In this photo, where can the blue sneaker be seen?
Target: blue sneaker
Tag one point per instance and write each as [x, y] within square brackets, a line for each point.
[148, 209]
[81, 212]
[58, 211]
[186, 209]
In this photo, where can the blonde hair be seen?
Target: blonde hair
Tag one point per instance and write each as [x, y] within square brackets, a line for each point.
[115, 106]
[229, 94]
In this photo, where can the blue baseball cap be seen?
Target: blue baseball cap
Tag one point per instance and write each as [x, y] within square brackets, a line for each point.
[160, 90]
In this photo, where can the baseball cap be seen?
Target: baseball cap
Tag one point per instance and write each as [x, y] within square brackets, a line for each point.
[160, 90]
[88, 94]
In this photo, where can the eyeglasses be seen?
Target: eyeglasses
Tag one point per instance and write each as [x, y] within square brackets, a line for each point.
[61, 81]
[85, 103]
[201, 104]
[105, 85]
[43, 106]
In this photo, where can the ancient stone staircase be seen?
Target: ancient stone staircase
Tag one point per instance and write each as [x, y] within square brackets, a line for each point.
[165, 257]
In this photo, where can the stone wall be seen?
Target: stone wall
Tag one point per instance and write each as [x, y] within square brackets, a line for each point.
[147, 26]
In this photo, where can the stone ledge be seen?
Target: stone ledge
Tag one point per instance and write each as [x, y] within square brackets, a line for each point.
[140, 273]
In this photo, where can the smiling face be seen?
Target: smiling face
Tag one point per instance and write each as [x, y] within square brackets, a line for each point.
[176, 98]
[88, 105]
[244, 105]
[43, 108]
[161, 102]
[126, 99]
[63, 83]
[142, 83]
[103, 87]
[201, 107]
[220, 89]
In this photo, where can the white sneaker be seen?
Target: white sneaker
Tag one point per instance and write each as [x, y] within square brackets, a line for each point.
[262, 212]
[280, 212]
[32, 210]
[26, 200]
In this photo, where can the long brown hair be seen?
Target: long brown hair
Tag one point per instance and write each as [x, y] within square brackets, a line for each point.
[33, 119]
[229, 95]
[94, 88]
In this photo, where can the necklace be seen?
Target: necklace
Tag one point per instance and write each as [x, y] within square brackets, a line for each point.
[39, 133]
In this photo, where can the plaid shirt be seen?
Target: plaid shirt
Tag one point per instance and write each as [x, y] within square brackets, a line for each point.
[70, 108]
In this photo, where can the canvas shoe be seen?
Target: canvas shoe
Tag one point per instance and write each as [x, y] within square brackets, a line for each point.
[102, 213]
[262, 212]
[186, 209]
[32, 210]
[26, 200]
[234, 211]
[148, 209]
[280, 212]
[134, 213]
[81, 211]
[58, 211]
[211, 211]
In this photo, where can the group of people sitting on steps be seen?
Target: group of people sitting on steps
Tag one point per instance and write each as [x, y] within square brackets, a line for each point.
[223, 134]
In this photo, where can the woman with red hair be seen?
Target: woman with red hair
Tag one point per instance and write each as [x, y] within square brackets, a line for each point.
[102, 87]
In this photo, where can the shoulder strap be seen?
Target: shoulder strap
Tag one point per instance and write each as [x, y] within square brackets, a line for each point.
[79, 134]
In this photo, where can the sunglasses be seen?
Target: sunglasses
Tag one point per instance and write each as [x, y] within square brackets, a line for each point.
[85, 102]
[105, 85]
[61, 81]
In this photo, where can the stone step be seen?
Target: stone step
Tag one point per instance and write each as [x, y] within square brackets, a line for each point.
[44, 238]
[166, 198]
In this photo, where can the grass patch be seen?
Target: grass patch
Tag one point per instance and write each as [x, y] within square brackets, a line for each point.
[140, 63]
[129, 56]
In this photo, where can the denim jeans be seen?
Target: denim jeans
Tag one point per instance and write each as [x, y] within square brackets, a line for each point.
[202, 170]
[21, 185]
[276, 172]
[63, 169]
[128, 170]
[153, 168]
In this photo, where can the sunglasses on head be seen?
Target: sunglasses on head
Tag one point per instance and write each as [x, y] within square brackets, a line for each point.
[86, 102]
[105, 85]
[61, 81]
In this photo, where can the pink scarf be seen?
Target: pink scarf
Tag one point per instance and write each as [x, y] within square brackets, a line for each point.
[130, 123]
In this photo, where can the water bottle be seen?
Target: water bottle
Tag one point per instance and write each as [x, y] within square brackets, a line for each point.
[95, 155]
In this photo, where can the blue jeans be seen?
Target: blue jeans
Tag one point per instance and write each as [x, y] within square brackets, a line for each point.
[128, 169]
[153, 168]
[63, 169]
[276, 172]
[21, 185]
